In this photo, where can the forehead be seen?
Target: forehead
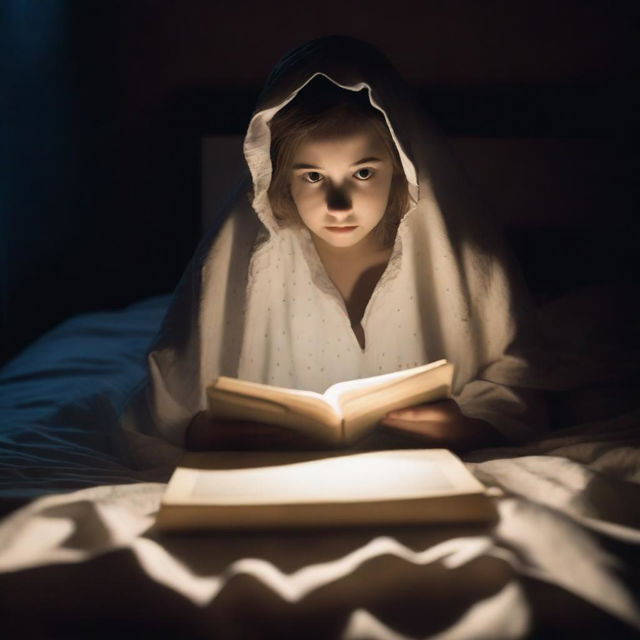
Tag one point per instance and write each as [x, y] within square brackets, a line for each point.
[349, 146]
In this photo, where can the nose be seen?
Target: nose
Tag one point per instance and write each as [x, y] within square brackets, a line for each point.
[338, 200]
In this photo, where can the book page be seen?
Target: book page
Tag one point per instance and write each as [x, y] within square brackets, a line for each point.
[304, 411]
[425, 384]
[364, 413]
[361, 477]
[266, 391]
[344, 392]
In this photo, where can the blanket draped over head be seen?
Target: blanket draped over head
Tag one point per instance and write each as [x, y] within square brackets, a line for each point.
[256, 302]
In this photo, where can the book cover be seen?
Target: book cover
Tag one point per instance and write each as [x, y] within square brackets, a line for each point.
[226, 490]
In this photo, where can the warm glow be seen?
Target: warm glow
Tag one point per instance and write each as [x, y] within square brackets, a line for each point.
[352, 477]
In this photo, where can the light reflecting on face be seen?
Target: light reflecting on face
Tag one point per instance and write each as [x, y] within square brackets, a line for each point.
[341, 187]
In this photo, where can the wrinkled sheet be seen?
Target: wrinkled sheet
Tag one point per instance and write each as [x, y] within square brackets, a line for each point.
[563, 558]
[60, 400]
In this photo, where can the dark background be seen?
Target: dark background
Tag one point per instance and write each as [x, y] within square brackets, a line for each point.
[107, 100]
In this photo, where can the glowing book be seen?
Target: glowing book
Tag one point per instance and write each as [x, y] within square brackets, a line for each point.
[239, 490]
[343, 413]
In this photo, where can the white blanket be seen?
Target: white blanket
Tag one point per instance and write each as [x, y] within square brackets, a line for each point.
[562, 558]
[562, 561]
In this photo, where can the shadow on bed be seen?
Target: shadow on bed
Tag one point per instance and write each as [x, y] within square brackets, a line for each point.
[60, 399]
[563, 559]
[292, 586]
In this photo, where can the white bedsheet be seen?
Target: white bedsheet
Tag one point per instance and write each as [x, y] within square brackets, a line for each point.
[563, 556]
[60, 398]
[562, 561]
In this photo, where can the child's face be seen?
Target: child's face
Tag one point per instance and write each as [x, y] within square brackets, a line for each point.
[341, 187]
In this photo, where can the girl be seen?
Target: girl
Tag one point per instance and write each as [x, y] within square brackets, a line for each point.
[358, 255]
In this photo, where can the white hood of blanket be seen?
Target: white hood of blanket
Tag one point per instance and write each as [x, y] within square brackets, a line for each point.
[349, 64]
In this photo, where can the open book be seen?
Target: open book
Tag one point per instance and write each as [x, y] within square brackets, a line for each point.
[222, 490]
[343, 413]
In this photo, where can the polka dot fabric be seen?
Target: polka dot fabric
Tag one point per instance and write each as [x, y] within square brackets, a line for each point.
[300, 335]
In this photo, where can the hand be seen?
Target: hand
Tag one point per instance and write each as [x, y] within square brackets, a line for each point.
[442, 424]
[206, 433]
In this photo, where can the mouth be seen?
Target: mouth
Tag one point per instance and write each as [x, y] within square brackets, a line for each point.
[341, 229]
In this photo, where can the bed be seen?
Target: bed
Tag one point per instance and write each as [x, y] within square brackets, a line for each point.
[80, 556]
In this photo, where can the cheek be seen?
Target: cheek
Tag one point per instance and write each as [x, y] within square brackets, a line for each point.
[377, 198]
[301, 202]
[306, 200]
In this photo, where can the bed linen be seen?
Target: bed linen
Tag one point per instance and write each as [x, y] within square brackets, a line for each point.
[60, 398]
[81, 557]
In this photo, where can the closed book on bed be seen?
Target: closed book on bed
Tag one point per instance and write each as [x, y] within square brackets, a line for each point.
[243, 490]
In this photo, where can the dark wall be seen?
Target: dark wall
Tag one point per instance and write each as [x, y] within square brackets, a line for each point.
[107, 102]
[63, 86]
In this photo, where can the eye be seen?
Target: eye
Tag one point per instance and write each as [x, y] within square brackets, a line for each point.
[312, 176]
[364, 173]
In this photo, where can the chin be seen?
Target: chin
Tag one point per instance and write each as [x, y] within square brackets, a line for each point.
[342, 243]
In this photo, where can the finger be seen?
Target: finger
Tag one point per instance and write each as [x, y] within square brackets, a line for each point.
[423, 428]
[422, 412]
[413, 436]
[406, 414]
[415, 414]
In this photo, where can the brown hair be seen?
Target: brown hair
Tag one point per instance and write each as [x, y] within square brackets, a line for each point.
[324, 110]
